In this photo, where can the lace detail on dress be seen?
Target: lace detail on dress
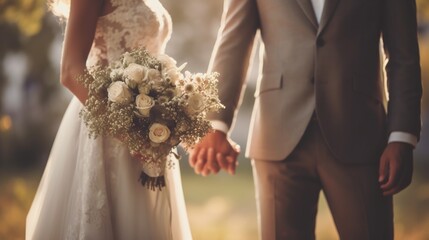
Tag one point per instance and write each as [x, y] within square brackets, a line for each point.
[132, 24]
[91, 206]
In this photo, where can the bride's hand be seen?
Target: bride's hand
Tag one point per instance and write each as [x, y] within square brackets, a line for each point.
[214, 152]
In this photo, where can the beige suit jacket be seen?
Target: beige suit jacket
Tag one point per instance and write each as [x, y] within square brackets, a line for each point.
[331, 68]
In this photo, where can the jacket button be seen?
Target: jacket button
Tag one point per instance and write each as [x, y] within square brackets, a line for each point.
[320, 42]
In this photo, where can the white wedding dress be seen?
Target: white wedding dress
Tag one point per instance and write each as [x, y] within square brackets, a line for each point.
[90, 188]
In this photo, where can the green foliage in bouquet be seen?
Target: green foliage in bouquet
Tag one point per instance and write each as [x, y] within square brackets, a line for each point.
[150, 105]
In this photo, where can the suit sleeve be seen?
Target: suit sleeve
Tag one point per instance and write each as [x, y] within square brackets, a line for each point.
[232, 54]
[399, 29]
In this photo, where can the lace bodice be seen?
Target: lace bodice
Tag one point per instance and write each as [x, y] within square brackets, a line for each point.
[132, 24]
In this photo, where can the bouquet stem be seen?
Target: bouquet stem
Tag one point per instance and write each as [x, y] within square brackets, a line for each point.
[152, 183]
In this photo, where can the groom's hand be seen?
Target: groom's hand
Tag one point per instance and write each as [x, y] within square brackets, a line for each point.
[396, 167]
[214, 152]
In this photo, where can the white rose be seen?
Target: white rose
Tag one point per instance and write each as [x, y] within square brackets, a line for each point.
[158, 133]
[134, 74]
[143, 104]
[195, 103]
[153, 75]
[118, 92]
[167, 61]
[128, 59]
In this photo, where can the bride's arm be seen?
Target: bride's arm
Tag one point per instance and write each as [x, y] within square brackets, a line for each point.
[78, 39]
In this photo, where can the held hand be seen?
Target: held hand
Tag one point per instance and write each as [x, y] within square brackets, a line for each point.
[214, 152]
[396, 168]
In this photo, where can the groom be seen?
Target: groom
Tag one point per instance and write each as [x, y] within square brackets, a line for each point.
[319, 122]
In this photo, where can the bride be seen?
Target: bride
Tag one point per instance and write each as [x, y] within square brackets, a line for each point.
[90, 188]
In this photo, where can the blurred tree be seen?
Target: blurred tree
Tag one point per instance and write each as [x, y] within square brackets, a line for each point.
[26, 29]
[423, 16]
[27, 15]
[19, 19]
[423, 9]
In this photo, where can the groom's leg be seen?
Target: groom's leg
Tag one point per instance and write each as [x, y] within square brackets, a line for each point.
[359, 209]
[287, 193]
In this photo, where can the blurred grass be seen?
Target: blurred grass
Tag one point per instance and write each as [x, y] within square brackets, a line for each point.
[223, 207]
[16, 194]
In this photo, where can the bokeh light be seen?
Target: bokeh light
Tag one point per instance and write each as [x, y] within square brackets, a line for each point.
[5, 123]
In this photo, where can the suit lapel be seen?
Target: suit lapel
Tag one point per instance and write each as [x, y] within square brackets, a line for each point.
[307, 8]
[328, 12]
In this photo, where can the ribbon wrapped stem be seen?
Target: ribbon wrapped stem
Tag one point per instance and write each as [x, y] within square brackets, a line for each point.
[152, 183]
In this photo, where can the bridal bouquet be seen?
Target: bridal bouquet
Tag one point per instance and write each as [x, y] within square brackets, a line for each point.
[151, 106]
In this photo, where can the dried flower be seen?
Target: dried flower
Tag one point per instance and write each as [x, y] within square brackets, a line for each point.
[189, 87]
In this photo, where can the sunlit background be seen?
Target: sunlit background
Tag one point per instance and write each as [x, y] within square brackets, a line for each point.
[32, 103]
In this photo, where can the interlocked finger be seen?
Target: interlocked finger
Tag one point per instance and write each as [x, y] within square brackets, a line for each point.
[212, 164]
[232, 164]
[201, 161]
[193, 157]
[222, 162]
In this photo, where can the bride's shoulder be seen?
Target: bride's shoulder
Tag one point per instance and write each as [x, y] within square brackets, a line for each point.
[116, 3]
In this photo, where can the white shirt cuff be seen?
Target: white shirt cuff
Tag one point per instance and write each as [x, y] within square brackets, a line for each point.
[403, 137]
[394, 136]
[220, 126]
